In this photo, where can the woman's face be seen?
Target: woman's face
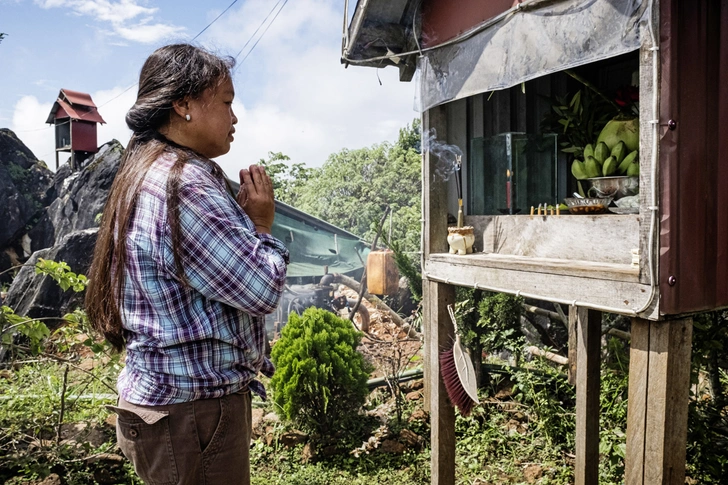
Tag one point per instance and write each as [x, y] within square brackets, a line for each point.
[211, 126]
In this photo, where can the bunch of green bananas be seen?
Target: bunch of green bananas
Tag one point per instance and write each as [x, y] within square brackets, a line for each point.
[601, 161]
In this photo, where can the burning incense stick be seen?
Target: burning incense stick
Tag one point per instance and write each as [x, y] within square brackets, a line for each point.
[459, 183]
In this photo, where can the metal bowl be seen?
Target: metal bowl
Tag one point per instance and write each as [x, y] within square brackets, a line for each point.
[588, 205]
[615, 187]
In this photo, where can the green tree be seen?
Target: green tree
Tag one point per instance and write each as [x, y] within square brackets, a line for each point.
[353, 187]
[288, 179]
[320, 379]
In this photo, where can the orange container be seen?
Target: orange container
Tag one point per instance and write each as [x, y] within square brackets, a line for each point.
[382, 273]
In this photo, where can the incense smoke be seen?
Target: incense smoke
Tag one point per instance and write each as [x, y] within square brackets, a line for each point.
[449, 157]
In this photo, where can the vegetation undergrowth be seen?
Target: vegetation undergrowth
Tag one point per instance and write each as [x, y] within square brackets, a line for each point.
[54, 384]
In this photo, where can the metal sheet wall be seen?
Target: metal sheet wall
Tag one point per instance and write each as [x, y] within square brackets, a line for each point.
[441, 22]
[693, 156]
[83, 137]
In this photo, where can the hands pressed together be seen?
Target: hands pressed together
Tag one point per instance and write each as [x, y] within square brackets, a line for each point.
[256, 197]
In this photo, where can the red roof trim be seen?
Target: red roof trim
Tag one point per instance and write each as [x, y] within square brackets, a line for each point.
[77, 105]
[77, 97]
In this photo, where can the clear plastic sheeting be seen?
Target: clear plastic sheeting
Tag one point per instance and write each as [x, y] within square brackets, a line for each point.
[531, 41]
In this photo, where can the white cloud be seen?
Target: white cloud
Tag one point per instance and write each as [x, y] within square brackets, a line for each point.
[293, 94]
[311, 121]
[148, 34]
[306, 104]
[113, 105]
[128, 19]
[28, 122]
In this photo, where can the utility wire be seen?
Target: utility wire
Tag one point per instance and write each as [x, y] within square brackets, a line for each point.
[42, 129]
[117, 96]
[193, 38]
[266, 30]
[256, 30]
[221, 14]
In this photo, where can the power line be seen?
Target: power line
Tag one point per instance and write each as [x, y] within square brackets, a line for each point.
[193, 38]
[261, 35]
[42, 129]
[199, 34]
[208, 25]
[117, 96]
[256, 30]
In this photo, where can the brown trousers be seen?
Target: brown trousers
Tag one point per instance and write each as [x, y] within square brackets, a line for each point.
[205, 442]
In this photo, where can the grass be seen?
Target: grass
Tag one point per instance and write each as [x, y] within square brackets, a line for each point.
[491, 448]
[521, 433]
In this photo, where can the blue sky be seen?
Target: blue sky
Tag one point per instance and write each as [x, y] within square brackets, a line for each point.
[293, 94]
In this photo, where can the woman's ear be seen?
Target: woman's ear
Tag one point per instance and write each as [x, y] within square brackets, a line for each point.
[181, 106]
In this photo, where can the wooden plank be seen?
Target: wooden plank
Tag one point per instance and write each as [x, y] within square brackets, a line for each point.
[659, 382]
[477, 124]
[584, 269]
[434, 203]
[426, 394]
[634, 461]
[606, 295]
[518, 109]
[605, 238]
[573, 355]
[587, 396]
[557, 358]
[442, 414]
[434, 189]
[668, 394]
[457, 135]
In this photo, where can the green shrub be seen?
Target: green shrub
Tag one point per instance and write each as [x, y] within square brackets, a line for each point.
[320, 377]
[500, 323]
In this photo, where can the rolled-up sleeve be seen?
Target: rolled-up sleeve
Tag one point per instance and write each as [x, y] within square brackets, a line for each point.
[223, 256]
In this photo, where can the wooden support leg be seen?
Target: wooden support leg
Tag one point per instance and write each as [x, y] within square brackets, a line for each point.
[442, 415]
[573, 358]
[589, 336]
[659, 386]
[425, 348]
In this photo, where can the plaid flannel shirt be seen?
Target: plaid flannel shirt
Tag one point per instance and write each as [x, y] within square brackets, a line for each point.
[206, 340]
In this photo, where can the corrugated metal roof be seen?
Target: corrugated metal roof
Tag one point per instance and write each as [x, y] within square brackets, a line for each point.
[77, 105]
[77, 97]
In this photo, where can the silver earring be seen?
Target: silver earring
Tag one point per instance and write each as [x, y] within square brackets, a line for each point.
[188, 117]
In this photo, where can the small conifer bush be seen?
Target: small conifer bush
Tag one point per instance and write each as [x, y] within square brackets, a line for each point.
[320, 379]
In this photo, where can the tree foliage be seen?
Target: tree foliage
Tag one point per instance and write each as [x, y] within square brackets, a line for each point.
[353, 188]
[320, 377]
[288, 179]
[499, 326]
[707, 443]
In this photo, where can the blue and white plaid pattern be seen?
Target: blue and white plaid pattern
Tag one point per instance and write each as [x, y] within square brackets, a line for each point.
[206, 340]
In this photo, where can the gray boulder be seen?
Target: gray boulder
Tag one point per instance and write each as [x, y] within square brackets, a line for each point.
[80, 199]
[24, 183]
[66, 231]
[37, 295]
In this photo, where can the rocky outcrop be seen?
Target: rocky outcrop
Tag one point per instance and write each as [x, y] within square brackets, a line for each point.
[24, 182]
[37, 295]
[80, 197]
[65, 231]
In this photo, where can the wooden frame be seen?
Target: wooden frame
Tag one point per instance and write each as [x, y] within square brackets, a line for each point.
[609, 271]
[606, 278]
[657, 416]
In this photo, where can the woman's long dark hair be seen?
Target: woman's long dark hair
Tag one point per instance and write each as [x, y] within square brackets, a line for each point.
[171, 73]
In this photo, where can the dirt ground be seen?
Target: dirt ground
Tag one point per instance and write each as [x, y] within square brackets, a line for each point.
[386, 345]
